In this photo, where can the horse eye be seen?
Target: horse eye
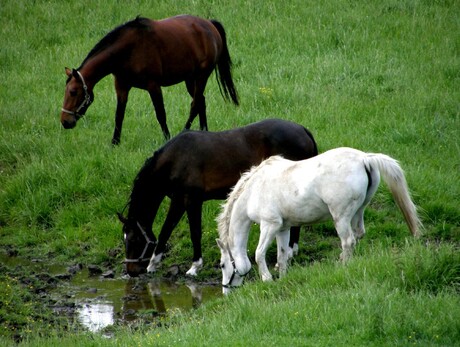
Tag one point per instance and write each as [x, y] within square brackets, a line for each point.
[73, 92]
[222, 266]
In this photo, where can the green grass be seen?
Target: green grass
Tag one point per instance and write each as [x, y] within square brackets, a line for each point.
[394, 296]
[378, 76]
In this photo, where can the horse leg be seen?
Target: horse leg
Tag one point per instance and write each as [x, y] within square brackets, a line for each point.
[194, 210]
[267, 234]
[197, 294]
[347, 238]
[122, 91]
[357, 224]
[282, 244]
[198, 106]
[294, 241]
[176, 211]
[157, 100]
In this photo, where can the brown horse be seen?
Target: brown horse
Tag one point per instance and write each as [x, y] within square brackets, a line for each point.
[150, 54]
[196, 166]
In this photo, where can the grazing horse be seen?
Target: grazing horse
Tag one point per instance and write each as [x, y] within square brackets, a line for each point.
[150, 54]
[193, 167]
[281, 193]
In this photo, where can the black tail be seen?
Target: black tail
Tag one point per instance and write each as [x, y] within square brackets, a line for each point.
[224, 68]
[315, 146]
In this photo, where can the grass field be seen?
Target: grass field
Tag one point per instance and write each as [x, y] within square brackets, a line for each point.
[380, 76]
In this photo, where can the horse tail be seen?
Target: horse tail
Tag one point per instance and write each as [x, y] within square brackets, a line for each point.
[224, 68]
[315, 146]
[393, 175]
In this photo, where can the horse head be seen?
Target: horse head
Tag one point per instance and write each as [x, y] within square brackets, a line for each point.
[139, 246]
[232, 275]
[77, 99]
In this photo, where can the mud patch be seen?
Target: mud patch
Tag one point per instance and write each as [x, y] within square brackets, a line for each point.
[94, 299]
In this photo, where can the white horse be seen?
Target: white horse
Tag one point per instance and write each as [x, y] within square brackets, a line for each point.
[280, 193]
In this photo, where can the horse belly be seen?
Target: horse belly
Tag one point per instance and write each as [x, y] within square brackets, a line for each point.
[309, 212]
[299, 201]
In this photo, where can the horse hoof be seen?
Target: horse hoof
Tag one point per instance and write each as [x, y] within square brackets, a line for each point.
[295, 250]
[226, 291]
[152, 267]
[191, 272]
[196, 266]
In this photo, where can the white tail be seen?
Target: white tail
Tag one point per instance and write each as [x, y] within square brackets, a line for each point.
[394, 177]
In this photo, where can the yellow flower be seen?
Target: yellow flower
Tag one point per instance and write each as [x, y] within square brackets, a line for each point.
[266, 91]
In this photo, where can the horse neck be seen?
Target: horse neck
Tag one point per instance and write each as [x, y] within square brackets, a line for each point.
[95, 68]
[140, 214]
[143, 206]
[234, 231]
[238, 236]
[224, 219]
[147, 194]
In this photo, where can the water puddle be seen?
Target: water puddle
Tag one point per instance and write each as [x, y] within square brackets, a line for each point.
[101, 302]
[96, 316]
[97, 302]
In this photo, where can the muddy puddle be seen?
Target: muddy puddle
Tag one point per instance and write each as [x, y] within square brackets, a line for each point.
[96, 299]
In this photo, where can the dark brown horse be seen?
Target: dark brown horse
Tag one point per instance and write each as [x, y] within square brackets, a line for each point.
[196, 166]
[149, 54]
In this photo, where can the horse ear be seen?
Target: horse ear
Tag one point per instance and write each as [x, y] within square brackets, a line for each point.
[74, 73]
[122, 219]
[68, 71]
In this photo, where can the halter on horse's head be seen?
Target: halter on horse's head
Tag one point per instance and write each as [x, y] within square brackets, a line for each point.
[231, 276]
[138, 246]
[73, 108]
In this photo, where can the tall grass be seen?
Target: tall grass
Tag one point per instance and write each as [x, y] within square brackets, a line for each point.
[378, 76]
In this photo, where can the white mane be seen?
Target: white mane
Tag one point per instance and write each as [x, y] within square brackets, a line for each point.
[223, 220]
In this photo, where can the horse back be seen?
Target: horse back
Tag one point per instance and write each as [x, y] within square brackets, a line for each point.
[212, 162]
[285, 138]
[208, 163]
[169, 50]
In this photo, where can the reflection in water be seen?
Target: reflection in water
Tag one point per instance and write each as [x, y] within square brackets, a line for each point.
[139, 299]
[103, 302]
[96, 316]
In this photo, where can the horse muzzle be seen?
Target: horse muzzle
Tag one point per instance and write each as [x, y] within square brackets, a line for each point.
[68, 119]
[136, 269]
[69, 123]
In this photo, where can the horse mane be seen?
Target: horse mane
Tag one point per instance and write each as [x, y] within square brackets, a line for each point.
[223, 220]
[111, 37]
[139, 199]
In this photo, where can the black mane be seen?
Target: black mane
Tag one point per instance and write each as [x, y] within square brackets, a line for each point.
[111, 37]
[139, 201]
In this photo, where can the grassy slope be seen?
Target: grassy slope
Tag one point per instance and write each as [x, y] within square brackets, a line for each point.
[380, 76]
